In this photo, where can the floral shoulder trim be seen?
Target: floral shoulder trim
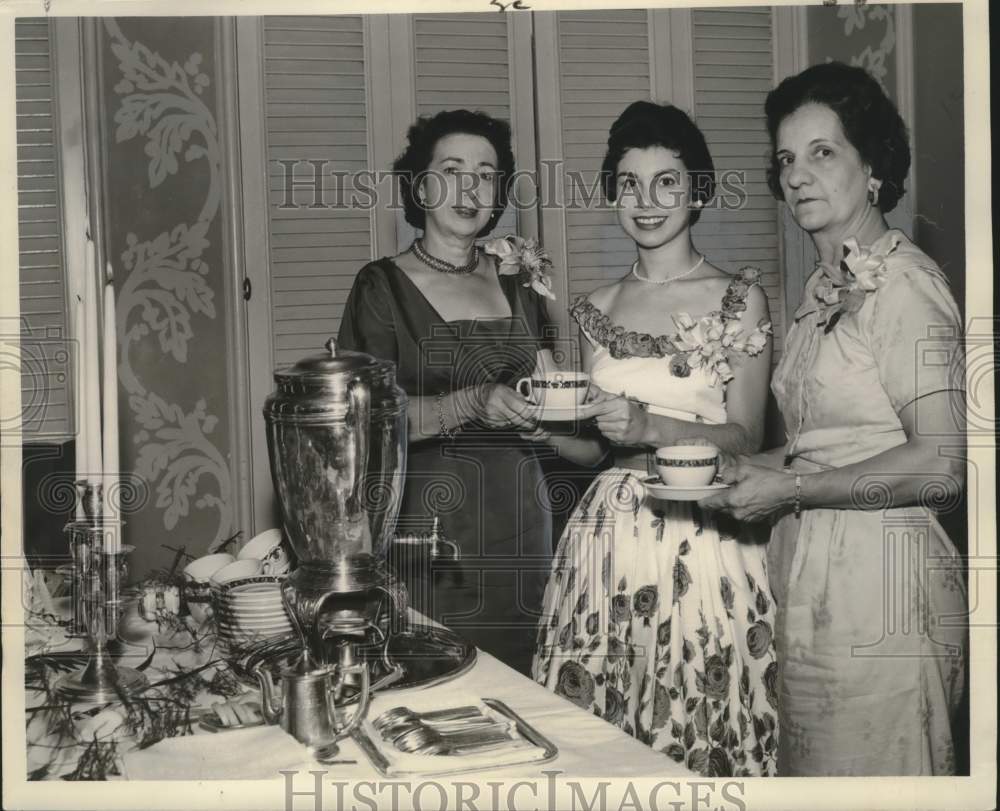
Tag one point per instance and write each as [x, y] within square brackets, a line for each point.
[708, 341]
[734, 301]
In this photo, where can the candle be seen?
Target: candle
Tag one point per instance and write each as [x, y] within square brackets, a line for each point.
[79, 400]
[92, 371]
[110, 432]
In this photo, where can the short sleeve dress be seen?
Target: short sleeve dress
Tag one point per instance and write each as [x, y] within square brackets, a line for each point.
[869, 633]
[485, 485]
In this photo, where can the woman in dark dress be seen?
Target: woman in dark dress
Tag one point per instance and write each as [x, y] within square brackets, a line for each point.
[461, 335]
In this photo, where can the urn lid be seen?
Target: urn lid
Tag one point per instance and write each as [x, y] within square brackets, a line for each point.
[327, 383]
[332, 362]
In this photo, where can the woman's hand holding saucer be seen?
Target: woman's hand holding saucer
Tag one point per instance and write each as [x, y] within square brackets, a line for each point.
[756, 493]
[620, 419]
[502, 407]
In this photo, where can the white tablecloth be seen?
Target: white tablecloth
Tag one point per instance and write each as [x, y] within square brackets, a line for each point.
[588, 746]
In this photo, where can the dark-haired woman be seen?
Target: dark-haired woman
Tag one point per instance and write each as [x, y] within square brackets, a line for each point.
[657, 617]
[461, 335]
[870, 595]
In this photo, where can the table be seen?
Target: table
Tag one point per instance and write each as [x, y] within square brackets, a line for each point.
[588, 746]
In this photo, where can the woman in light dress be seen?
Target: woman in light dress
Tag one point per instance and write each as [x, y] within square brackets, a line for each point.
[871, 598]
[657, 616]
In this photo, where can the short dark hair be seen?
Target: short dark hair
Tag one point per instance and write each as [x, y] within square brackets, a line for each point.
[869, 118]
[423, 136]
[645, 124]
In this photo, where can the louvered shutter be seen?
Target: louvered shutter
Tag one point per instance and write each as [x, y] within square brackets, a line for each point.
[603, 67]
[45, 384]
[314, 109]
[462, 61]
[733, 72]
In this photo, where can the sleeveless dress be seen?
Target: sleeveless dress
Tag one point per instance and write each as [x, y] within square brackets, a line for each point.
[658, 616]
[871, 629]
[485, 485]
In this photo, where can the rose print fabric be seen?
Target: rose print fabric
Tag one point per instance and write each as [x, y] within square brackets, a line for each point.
[656, 617]
[871, 603]
[661, 621]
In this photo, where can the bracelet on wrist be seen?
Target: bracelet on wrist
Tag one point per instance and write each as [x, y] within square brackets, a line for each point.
[797, 505]
[443, 429]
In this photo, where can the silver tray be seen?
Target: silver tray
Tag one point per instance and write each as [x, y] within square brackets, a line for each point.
[428, 656]
[528, 732]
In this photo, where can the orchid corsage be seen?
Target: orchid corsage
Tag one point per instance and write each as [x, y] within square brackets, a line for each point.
[862, 271]
[708, 343]
[524, 257]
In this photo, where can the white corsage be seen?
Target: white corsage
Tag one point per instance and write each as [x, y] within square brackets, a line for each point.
[709, 342]
[517, 255]
[861, 271]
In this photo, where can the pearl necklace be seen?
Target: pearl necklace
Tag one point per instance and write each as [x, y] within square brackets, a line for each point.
[440, 265]
[635, 272]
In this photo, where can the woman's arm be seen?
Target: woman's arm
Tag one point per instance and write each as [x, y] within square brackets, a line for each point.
[928, 468]
[626, 423]
[773, 458]
[492, 405]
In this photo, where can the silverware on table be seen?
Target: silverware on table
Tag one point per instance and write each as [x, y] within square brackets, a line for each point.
[327, 755]
[427, 741]
[405, 714]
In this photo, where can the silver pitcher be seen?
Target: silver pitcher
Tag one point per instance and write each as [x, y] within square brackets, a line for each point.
[307, 705]
[336, 438]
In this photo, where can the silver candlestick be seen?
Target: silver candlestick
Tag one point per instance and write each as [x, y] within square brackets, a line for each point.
[99, 569]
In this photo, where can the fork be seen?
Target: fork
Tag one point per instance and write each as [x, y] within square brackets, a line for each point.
[404, 714]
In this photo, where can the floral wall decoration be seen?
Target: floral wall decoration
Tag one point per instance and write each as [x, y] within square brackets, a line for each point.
[859, 34]
[163, 160]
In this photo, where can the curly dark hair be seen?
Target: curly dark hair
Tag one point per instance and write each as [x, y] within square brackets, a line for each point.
[869, 118]
[422, 137]
[645, 124]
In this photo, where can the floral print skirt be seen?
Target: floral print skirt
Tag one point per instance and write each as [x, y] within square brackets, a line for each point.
[658, 617]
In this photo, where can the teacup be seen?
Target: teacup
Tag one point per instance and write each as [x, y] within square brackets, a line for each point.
[201, 569]
[687, 465]
[555, 389]
[247, 567]
[269, 548]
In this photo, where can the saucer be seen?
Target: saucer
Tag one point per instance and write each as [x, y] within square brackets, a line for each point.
[556, 413]
[657, 489]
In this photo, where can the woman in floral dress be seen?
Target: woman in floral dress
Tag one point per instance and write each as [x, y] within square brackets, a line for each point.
[871, 598]
[656, 616]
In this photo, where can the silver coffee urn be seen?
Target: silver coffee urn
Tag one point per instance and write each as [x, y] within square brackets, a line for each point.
[336, 437]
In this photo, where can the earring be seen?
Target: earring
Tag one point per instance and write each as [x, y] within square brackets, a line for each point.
[873, 187]
[698, 203]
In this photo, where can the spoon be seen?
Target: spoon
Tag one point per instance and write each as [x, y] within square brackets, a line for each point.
[396, 730]
[327, 754]
[427, 741]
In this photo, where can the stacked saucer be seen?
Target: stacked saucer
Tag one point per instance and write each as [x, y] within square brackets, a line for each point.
[250, 609]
